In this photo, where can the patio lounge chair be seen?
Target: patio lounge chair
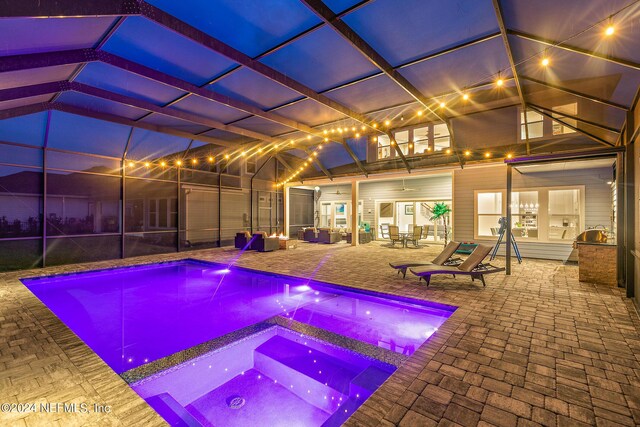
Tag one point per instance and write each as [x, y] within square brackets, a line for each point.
[261, 242]
[327, 235]
[472, 266]
[242, 240]
[443, 258]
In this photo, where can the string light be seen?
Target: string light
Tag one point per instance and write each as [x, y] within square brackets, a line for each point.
[308, 136]
[375, 126]
[487, 154]
[499, 82]
[419, 113]
[362, 128]
[467, 153]
[326, 140]
[211, 158]
[442, 104]
[387, 122]
[448, 151]
[244, 153]
[163, 164]
[545, 62]
[610, 29]
[226, 157]
[374, 139]
[357, 135]
[179, 162]
[325, 131]
[509, 155]
[147, 164]
[131, 164]
[353, 129]
[465, 96]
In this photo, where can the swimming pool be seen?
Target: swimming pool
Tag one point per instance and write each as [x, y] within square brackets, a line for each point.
[145, 320]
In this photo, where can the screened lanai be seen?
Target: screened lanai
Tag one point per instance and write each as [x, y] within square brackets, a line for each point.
[249, 133]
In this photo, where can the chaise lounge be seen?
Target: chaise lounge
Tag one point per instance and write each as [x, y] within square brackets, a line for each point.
[472, 266]
[444, 258]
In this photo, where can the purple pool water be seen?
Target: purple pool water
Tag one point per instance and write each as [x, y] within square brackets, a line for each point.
[131, 316]
[273, 378]
[135, 315]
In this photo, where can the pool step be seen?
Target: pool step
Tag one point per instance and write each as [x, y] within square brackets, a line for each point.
[318, 378]
[342, 413]
[172, 411]
[367, 382]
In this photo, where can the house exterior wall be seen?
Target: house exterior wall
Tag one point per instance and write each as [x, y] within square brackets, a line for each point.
[598, 202]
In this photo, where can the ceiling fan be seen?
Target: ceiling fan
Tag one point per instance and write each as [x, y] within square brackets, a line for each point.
[337, 192]
[405, 188]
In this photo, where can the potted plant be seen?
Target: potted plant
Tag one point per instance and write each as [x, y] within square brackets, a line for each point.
[441, 211]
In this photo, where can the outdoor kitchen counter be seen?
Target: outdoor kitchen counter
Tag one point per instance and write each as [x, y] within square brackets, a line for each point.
[597, 263]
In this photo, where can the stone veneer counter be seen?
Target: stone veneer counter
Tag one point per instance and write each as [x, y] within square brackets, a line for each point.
[597, 263]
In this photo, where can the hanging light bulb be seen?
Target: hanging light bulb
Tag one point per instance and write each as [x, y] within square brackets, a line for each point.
[610, 28]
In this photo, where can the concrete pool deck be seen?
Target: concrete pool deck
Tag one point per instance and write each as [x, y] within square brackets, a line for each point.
[536, 348]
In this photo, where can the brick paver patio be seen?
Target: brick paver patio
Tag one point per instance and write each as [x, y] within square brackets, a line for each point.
[536, 348]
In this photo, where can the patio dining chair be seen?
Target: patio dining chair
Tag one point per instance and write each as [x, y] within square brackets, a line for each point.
[394, 234]
[416, 236]
[384, 231]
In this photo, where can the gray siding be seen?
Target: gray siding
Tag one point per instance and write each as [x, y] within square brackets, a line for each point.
[597, 201]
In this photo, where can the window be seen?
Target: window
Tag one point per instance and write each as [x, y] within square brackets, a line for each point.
[384, 147]
[250, 165]
[402, 138]
[534, 124]
[564, 214]
[554, 214]
[341, 215]
[489, 211]
[421, 140]
[163, 213]
[441, 138]
[524, 214]
[325, 215]
[570, 109]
